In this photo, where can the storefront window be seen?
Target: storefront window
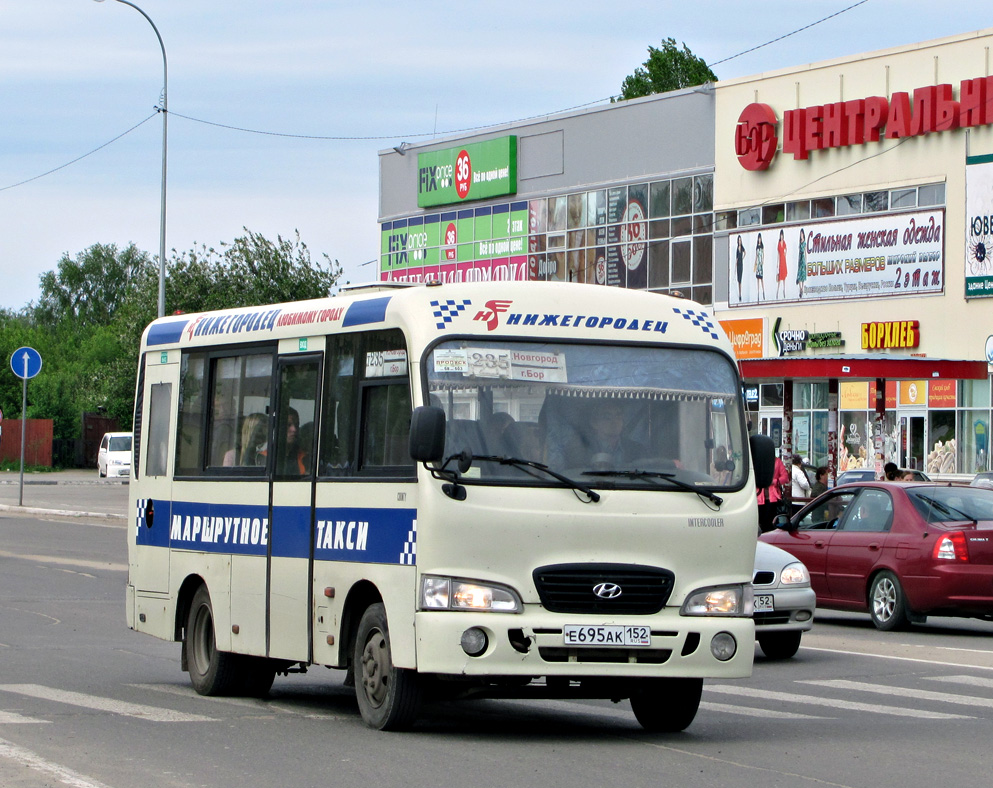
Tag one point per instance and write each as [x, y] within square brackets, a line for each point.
[974, 393]
[973, 442]
[854, 441]
[876, 201]
[771, 395]
[659, 204]
[933, 194]
[903, 198]
[797, 211]
[941, 456]
[849, 204]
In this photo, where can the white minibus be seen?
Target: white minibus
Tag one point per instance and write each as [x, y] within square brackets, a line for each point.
[495, 489]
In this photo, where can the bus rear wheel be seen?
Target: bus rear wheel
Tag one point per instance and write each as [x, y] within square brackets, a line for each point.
[212, 672]
[666, 705]
[388, 697]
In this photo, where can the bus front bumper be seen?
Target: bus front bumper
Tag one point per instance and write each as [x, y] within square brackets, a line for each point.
[534, 644]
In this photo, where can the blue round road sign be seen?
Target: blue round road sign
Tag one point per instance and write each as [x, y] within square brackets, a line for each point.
[26, 362]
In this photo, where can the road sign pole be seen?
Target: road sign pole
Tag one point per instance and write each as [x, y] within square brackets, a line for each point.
[24, 427]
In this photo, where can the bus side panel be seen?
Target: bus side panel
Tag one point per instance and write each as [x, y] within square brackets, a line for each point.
[365, 532]
[248, 604]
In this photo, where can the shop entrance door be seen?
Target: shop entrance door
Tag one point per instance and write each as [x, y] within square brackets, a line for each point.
[773, 427]
[912, 454]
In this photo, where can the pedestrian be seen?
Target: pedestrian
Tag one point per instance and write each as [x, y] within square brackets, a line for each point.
[770, 498]
[819, 486]
[800, 484]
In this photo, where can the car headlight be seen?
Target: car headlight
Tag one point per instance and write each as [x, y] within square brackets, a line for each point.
[736, 600]
[451, 593]
[794, 574]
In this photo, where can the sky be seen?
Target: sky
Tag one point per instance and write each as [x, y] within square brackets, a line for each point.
[278, 111]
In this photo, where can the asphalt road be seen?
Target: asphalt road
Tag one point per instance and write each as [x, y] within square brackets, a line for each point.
[85, 702]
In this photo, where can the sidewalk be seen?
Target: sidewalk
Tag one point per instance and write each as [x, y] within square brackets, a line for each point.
[72, 493]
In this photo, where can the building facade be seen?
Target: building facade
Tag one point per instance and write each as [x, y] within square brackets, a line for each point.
[836, 217]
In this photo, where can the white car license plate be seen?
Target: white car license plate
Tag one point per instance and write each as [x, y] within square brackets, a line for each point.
[606, 635]
[763, 603]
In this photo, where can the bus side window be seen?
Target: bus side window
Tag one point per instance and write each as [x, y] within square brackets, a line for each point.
[386, 426]
[159, 403]
[366, 377]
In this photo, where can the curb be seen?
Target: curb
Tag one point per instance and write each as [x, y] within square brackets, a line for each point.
[62, 513]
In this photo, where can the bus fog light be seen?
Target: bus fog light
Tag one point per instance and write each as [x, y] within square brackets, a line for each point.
[474, 641]
[723, 646]
[803, 615]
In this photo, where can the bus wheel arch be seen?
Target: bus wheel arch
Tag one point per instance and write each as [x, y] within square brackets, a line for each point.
[360, 597]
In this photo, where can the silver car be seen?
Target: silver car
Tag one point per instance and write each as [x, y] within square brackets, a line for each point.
[784, 601]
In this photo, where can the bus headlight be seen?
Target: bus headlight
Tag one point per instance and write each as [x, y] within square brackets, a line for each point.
[451, 593]
[735, 600]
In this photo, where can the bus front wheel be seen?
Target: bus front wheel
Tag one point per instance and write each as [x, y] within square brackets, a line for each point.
[212, 672]
[666, 705]
[388, 697]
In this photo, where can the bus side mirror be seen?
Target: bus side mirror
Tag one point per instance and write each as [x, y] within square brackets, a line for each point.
[764, 457]
[427, 434]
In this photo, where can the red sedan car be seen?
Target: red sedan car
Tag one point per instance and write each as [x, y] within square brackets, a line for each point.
[901, 551]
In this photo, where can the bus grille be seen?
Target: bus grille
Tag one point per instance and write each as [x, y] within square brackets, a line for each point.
[569, 588]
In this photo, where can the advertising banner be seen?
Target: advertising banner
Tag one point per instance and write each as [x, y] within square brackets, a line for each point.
[476, 171]
[865, 257]
[979, 226]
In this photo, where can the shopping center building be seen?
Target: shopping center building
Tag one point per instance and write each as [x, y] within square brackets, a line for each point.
[836, 217]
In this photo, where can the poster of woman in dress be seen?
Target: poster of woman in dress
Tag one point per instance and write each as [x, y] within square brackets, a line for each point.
[781, 272]
[760, 268]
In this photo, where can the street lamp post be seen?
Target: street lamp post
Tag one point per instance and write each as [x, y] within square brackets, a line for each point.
[165, 134]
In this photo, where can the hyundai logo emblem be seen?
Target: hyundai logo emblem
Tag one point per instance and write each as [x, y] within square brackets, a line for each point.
[607, 590]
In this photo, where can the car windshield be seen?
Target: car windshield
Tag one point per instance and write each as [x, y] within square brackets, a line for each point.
[119, 443]
[953, 504]
[604, 415]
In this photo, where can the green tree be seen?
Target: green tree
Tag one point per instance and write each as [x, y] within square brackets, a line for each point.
[249, 271]
[89, 288]
[667, 68]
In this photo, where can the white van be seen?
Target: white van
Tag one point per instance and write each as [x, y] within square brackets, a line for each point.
[114, 457]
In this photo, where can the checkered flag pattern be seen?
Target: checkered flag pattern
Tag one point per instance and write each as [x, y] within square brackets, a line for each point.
[700, 319]
[141, 512]
[408, 555]
[448, 310]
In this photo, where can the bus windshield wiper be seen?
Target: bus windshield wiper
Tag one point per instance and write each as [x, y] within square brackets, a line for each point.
[669, 477]
[516, 462]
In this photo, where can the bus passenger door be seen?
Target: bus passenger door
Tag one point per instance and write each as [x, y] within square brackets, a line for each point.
[291, 468]
[151, 469]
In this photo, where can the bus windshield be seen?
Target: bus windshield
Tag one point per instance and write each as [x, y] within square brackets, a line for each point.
[605, 415]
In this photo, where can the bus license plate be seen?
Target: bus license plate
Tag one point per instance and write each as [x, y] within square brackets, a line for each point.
[763, 603]
[607, 635]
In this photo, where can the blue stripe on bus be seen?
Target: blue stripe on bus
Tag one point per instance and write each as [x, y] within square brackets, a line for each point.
[166, 333]
[362, 312]
[377, 536]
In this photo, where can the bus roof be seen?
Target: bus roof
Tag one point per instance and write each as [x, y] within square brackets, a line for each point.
[552, 310]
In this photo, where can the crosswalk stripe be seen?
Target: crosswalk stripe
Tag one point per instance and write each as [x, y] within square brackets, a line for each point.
[12, 718]
[748, 711]
[136, 710]
[791, 697]
[973, 681]
[34, 761]
[902, 692]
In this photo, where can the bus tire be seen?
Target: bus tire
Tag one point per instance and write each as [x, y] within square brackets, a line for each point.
[212, 672]
[389, 698]
[666, 705]
[779, 645]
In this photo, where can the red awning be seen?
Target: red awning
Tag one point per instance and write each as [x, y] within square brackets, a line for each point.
[860, 368]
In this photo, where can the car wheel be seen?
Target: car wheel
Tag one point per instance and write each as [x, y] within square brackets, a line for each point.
[666, 705]
[212, 672]
[887, 604]
[779, 645]
[388, 697]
